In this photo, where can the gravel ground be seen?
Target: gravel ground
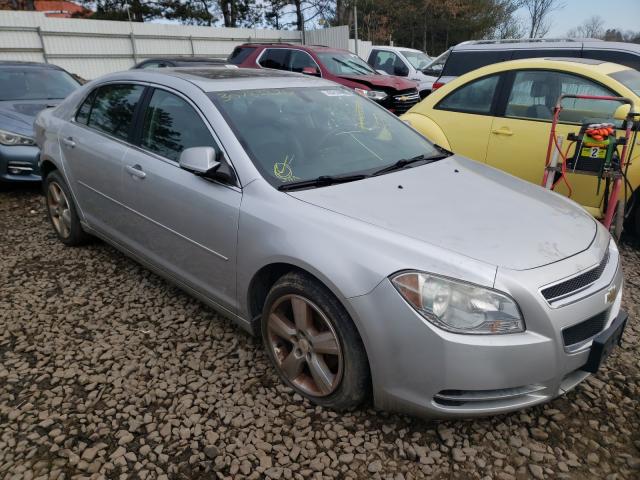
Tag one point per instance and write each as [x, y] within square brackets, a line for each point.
[107, 371]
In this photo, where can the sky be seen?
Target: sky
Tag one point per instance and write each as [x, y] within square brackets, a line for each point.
[620, 14]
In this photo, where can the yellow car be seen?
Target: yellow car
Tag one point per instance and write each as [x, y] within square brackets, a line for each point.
[501, 115]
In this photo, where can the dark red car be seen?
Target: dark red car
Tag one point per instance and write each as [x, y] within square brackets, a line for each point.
[394, 93]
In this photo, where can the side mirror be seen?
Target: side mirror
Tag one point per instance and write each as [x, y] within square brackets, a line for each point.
[401, 70]
[622, 112]
[199, 160]
[313, 71]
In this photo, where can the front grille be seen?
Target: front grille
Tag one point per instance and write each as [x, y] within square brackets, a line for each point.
[576, 283]
[404, 101]
[584, 330]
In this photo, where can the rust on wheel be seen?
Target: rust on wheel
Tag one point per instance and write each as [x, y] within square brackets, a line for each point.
[305, 345]
[59, 209]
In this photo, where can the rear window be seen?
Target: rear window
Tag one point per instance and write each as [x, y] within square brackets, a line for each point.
[239, 55]
[460, 63]
[629, 78]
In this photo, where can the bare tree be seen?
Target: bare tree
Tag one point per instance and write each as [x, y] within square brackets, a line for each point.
[539, 13]
[591, 28]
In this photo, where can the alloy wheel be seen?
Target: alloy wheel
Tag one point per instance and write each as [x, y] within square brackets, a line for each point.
[59, 210]
[305, 345]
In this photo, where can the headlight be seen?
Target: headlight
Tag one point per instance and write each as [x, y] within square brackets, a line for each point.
[8, 138]
[459, 307]
[372, 94]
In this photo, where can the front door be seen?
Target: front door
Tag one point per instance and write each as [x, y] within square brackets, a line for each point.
[185, 224]
[466, 116]
[518, 140]
[93, 147]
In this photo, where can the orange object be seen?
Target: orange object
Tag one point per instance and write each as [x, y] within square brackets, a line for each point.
[599, 138]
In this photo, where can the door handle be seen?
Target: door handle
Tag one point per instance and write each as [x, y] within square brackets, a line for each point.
[502, 131]
[68, 141]
[135, 171]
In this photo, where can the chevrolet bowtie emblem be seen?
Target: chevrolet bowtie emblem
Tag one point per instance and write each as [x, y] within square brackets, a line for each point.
[403, 98]
[611, 294]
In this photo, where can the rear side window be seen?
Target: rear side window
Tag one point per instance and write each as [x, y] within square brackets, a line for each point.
[113, 109]
[171, 125]
[474, 97]
[274, 58]
[460, 63]
[545, 53]
[239, 55]
[628, 59]
[85, 109]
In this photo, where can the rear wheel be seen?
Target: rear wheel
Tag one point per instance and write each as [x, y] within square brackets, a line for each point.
[313, 343]
[62, 211]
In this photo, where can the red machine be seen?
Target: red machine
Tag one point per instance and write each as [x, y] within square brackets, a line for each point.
[596, 153]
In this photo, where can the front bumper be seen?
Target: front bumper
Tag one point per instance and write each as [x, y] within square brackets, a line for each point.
[420, 369]
[19, 163]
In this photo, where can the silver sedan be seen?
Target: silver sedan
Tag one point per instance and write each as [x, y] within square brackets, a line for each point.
[371, 261]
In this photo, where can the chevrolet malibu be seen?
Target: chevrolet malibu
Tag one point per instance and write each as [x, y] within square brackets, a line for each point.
[370, 261]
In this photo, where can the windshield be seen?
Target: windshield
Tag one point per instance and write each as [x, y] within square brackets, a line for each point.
[418, 59]
[435, 67]
[299, 134]
[629, 78]
[345, 63]
[35, 84]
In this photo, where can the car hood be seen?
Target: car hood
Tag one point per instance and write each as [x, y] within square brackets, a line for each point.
[468, 208]
[386, 81]
[17, 116]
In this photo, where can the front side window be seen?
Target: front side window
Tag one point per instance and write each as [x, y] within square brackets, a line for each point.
[345, 63]
[172, 125]
[385, 61]
[535, 93]
[29, 83]
[474, 97]
[274, 58]
[629, 78]
[302, 133]
[113, 109]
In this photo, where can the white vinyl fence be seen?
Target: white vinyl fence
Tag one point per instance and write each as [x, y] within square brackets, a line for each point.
[90, 48]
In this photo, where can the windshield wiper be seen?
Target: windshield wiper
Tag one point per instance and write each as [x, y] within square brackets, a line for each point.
[359, 69]
[321, 181]
[403, 162]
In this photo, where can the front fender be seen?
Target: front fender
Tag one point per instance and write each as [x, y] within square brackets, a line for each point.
[427, 127]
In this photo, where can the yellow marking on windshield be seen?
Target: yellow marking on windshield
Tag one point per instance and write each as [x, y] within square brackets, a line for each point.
[282, 170]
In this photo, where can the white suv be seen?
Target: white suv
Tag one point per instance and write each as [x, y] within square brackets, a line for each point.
[403, 62]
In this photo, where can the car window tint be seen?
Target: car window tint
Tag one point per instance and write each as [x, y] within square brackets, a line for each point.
[82, 116]
[239, 55]
[628, 59]
[474, 97]
[274, 58]
[300, 60]
[171, 125]
[535, 93]
[460, 63]
[113, 109]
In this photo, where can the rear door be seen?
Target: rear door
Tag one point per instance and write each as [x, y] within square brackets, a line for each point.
[466, 115]
[185, 224]
[93, 145]
[520, 133]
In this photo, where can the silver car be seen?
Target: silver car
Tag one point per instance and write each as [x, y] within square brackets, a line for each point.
[369, 260]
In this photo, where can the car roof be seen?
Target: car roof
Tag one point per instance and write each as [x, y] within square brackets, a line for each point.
[546, 43]
[578, 65]
[315, 48]
[16, 63]
[220, 79]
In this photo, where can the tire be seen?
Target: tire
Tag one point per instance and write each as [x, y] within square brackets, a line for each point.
[302, 348]
[62, 211]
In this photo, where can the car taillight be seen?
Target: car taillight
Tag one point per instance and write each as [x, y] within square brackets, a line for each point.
[437, 85]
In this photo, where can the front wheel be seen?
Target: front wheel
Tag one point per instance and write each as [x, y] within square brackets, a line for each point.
[62, 211]
[313, 343]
